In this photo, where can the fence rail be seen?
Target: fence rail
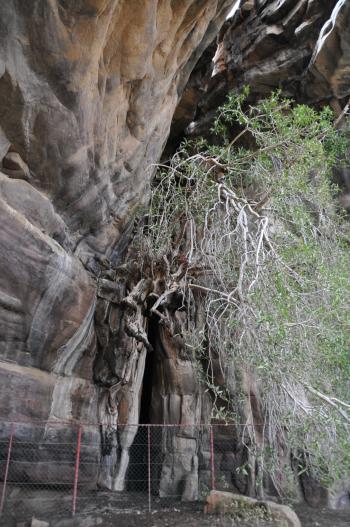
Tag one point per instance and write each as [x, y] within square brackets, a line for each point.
[69, 464]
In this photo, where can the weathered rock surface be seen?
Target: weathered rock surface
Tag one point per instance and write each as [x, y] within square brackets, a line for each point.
[285, 44]
[38, 523]
[300, 47]
[87, 94]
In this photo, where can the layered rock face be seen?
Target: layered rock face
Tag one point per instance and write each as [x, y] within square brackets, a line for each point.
[87, 94]
[298, 47]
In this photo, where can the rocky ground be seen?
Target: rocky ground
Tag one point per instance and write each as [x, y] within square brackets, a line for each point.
[108, 510]
[308, 517]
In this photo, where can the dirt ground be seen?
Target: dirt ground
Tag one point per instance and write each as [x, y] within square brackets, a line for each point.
[180, 517]
[130, 510]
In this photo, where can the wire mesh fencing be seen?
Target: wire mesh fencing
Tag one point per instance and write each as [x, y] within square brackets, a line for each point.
[63, 468]
[42, 466]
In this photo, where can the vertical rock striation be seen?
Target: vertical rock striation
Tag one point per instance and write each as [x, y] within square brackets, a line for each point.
[88, 89]
[87, 94]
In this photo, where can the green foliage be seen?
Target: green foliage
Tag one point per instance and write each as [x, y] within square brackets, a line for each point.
[257, 216]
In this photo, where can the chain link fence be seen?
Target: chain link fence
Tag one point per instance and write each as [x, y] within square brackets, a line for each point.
[60, 468]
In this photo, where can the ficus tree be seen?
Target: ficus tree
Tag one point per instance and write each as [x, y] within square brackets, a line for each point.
[246, 238]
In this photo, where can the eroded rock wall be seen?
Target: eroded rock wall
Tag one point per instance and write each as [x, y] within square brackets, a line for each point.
[300, 47]
[87, 94]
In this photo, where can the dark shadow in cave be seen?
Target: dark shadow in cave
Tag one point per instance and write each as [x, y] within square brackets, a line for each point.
[137, 477]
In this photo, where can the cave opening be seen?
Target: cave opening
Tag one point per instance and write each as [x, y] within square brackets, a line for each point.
[138, 465]
[146, 394]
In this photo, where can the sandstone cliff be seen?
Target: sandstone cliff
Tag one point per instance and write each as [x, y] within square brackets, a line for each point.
[88, 90]
[87, 94]
[298, 47]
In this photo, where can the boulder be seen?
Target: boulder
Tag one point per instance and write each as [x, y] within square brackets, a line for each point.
[39, 523]
[245, 507]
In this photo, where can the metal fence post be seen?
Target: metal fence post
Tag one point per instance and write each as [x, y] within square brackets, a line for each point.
[149, 467]
[9, 448]
[76, 472]
[212, 460]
